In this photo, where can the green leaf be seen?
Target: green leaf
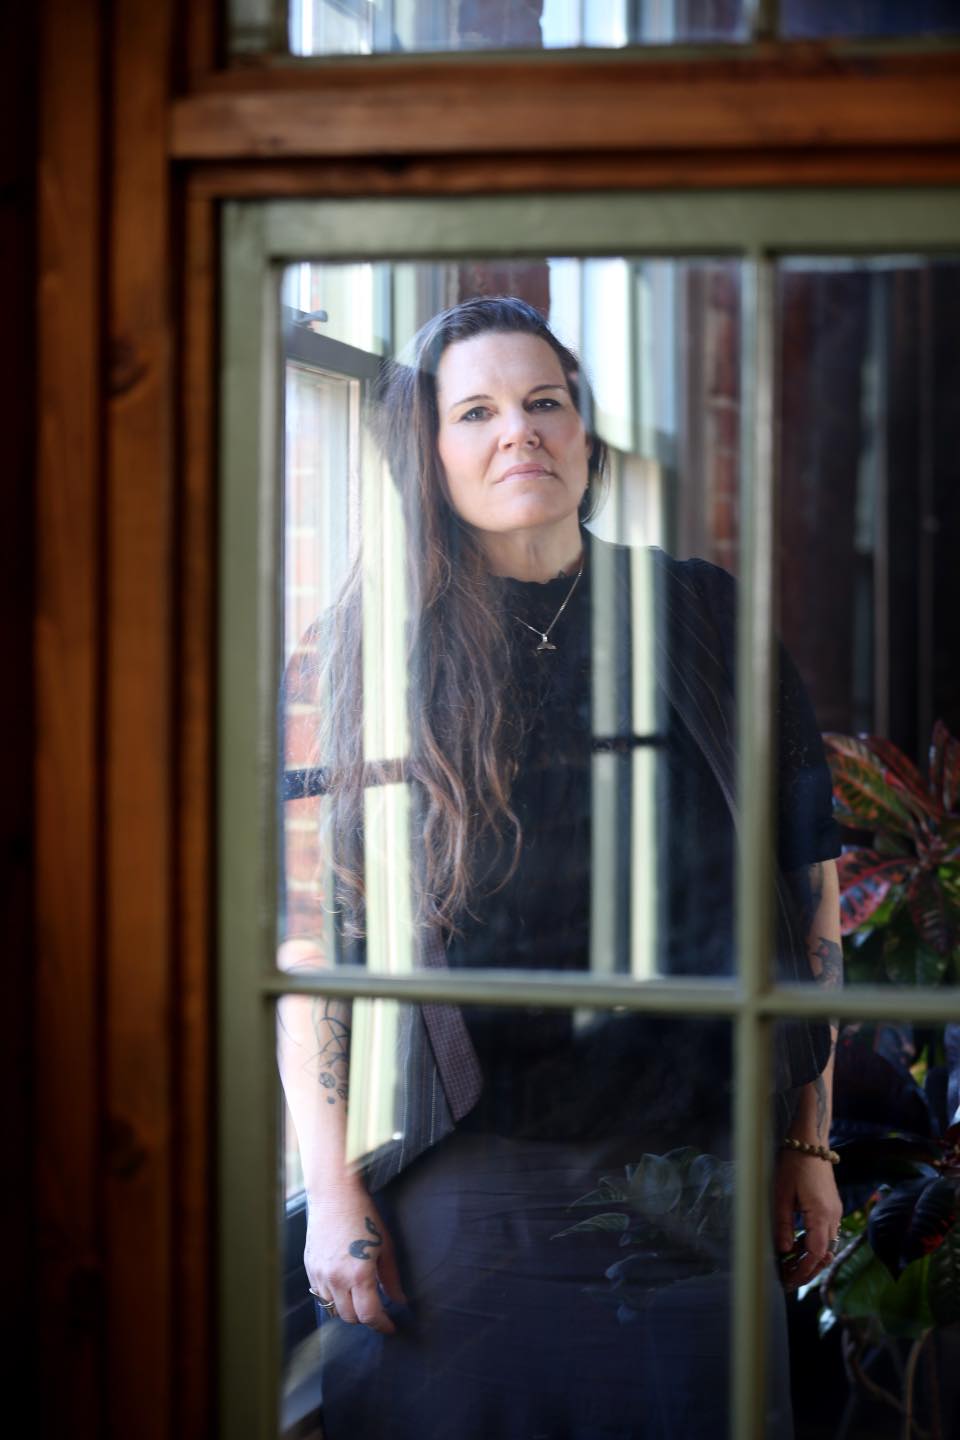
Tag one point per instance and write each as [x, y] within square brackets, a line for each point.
[902, 1306]
[656, 1185]
[610, 1221]
[909, 962]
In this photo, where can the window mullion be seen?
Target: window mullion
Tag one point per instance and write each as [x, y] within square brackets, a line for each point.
[754, 852]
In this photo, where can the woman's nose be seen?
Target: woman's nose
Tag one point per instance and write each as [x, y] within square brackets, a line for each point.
[518, 429]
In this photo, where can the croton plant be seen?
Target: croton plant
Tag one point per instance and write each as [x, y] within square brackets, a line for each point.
[897, 1115]
[900, 894]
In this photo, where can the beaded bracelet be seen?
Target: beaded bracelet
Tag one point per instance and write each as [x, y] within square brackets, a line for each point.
[821, 1151]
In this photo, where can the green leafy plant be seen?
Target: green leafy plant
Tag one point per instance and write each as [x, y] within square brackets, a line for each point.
[900, 895]
[672, 1214]
[896, 1279]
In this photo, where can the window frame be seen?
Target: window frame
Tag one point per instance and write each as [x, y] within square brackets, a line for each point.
[257, 239]
[143, 132]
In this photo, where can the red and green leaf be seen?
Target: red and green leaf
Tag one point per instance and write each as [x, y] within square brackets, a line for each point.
[866, 878]
[863, 796]
[945, 767]
[932, 913]
[902, 774]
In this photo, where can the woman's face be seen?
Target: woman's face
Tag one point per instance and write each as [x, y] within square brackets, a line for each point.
[511, 441]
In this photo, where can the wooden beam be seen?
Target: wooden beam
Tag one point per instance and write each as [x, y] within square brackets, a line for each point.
[68, 925]
[562, 173]
[784, 101]
[195, 977]
[138, 748]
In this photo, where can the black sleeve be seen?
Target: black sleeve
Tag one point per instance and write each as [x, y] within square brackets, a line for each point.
[806, 829]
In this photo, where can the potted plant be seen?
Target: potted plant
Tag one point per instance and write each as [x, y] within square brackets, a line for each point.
[897, 1115]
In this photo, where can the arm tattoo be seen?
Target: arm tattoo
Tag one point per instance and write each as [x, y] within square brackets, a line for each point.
[331, 1060]
[360, 1249]
[827, 961]
[821, 1093]
[808, 888]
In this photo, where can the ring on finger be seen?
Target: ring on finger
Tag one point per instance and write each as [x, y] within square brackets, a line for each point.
[330, 1306]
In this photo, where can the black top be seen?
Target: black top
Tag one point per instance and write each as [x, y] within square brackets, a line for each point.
[549, 1074]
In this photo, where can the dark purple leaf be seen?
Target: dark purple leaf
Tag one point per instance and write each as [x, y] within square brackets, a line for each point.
[889, 1223]
[870, 1090]
[934, 1214]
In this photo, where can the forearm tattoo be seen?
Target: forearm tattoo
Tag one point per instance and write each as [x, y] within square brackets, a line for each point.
[331, 1060]
[808, 888]
[360, 1249]
[826, 957]
[820, 1090]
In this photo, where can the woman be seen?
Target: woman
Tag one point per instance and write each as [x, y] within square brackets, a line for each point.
[453, 1303]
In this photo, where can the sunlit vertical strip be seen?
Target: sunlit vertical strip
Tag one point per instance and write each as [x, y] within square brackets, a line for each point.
[387, 859]
[606, 900]
[755, 851]
[605, 23]
[607, 348]
[643, 770]
[374, 1078]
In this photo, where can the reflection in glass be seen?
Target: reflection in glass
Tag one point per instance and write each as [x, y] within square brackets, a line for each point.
[869, 590]
[599, 728]
[509, 743]
[365, 27]
[869, 17]
[559, 1263]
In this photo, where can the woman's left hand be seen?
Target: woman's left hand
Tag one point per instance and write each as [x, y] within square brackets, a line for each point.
[804, 1185]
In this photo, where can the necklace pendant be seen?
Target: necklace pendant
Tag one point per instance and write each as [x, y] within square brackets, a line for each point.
[544, 645]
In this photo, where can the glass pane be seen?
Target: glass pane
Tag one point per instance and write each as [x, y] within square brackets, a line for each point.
[869, 17]
[555, 1261]
[508, 703]
[369, 27]
[868, 599]
[878, 1330]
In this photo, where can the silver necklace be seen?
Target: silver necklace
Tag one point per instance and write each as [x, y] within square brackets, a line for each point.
[545, 643]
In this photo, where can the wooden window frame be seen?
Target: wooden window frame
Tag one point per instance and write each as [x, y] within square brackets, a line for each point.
[143, 133]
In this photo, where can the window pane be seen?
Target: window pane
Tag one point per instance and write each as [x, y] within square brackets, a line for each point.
[869, 17]
[368, 27]
[869, 592]
[895, 1095]
[486, 764]
[563, 1249]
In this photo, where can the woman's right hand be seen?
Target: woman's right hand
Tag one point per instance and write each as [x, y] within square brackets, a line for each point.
[348, 1250]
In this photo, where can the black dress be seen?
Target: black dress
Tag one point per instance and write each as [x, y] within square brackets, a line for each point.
[517, 1328]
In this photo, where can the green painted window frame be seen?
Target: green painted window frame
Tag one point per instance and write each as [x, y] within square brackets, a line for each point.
[258, 238]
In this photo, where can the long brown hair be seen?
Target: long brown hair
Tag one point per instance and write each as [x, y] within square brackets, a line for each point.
[464, 726]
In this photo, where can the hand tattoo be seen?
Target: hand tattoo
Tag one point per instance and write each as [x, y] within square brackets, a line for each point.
[359, 1248]
[332, 1057]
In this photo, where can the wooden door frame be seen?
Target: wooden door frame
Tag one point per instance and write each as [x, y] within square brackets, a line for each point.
[142, 135]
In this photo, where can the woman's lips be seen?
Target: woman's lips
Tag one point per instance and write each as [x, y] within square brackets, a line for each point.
[518, 471]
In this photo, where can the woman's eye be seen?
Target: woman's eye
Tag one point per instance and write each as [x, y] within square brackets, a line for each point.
[545, 403]
[479, 412]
